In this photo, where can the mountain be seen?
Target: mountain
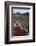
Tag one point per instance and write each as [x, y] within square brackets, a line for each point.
[27, 13]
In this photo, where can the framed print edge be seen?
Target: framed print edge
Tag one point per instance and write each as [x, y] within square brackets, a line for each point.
[7, 3]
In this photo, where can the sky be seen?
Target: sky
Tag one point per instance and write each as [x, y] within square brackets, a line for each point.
[20, 10]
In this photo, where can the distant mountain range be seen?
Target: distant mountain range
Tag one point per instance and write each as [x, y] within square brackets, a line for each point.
[27, 13]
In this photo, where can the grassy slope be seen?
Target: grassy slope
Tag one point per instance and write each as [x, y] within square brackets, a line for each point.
[23, 20]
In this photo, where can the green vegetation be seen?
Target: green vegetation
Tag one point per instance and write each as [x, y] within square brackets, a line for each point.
[23, 20]
[25, 23]
[16, 18]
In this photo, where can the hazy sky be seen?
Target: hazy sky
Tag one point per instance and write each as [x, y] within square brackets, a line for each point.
[20, 10]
